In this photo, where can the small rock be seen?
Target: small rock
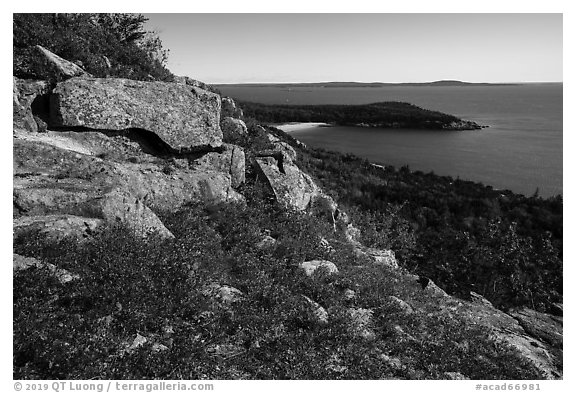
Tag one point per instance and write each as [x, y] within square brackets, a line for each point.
[319, 313]
[157, 347]
[224, 350]
[382, 257]
[401, 304]
[266, 242]
[56, 226]
[282, 146]
[392, 361]
[453, 375]
[23, 263]
[349, 294]
[223, 293]
[399, 329]
[138, 342]
[311, 266]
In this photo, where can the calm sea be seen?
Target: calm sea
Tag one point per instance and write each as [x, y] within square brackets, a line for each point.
[521, 150]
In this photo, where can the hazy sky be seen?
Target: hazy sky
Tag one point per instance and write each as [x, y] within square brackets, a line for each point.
[235, 48]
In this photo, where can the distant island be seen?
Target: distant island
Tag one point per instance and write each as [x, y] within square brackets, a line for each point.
[376, 115]
[441, 83]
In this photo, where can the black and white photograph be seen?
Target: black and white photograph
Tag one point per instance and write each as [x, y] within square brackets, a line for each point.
[287, 196]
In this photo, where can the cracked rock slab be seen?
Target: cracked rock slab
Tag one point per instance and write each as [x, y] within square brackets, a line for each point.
[182, 116]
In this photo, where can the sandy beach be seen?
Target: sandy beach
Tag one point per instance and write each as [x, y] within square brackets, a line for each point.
[289, 127]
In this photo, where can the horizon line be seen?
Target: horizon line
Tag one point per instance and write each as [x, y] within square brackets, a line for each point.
[392, 83]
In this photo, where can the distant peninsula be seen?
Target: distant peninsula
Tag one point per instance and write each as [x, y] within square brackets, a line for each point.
[440, 83]
[375, 115]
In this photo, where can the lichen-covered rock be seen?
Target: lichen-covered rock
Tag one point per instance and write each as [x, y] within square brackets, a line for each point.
[233, 130]
[282, 146]
[545, 327]
[382, 257]
[182, 116]
[56, 226]
[121, 207]
[52, 175]
[231, 160]
[56, 69]
[24, 93]
[23, 263]
[310, 267]
[376, 256]
[507, 330]
[291, 187]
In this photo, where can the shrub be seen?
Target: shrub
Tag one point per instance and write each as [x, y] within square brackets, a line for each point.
[92, 40]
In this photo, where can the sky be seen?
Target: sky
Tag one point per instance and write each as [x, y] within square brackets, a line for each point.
[248, 48]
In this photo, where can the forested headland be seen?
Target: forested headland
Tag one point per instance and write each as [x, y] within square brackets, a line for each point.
[380, 114]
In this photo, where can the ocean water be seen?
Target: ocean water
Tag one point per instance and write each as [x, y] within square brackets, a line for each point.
[521, 150]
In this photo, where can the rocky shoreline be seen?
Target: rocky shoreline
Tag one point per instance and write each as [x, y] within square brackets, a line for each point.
[91, 153]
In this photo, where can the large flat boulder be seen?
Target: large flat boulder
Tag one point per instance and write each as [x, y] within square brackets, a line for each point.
[182, 116]
[52, 174]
